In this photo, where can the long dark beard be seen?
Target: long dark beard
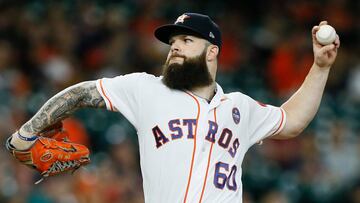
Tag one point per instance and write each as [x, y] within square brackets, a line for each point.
[193, 73]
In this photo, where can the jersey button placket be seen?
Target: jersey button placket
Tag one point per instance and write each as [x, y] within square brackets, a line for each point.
[206, 149]
[203, 126]
[203, 147]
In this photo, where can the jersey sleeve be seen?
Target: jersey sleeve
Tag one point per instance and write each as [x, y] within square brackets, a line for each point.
[264, 120]
[121, 94]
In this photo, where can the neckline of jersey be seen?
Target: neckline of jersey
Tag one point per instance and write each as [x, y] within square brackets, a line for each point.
[206, 99]
[216, 100]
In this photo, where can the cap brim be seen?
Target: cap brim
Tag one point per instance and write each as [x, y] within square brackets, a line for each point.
[163, 33]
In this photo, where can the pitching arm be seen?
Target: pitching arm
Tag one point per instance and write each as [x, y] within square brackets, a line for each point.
[303, 104]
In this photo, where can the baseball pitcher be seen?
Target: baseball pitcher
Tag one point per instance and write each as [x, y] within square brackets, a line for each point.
[192, 135]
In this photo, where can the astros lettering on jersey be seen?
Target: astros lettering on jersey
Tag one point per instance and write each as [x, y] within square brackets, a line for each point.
[190, 150]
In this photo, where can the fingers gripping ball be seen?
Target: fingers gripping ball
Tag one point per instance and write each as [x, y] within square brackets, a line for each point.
[52, 157]
[326, 35]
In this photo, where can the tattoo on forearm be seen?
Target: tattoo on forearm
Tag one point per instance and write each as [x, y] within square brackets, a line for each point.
[63, 105]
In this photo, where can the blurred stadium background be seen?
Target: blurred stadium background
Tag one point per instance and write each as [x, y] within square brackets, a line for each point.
[46, 46]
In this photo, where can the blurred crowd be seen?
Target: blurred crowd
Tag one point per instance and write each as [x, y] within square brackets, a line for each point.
[46, 46]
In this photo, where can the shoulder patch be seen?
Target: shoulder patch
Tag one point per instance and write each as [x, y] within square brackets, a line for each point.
[236, 115]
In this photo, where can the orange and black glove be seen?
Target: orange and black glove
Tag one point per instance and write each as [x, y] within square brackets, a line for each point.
[51, 156]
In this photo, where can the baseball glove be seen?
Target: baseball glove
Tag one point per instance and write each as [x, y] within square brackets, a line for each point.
[51, 156]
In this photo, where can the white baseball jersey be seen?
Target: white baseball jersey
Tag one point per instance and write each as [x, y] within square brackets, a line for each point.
[190, 150]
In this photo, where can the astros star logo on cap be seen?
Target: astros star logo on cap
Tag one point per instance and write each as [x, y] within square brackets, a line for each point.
[181, 18]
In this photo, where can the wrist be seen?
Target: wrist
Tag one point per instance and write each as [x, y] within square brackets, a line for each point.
[20, 142]
[22, 131]
[25, 138]
[325, 69]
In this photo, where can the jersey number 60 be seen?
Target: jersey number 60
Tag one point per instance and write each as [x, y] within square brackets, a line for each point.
[221, 178]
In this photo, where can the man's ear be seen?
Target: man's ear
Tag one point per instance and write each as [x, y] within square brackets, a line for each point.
[212, 52]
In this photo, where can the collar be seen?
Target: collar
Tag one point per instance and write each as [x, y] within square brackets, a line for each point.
[218, 97]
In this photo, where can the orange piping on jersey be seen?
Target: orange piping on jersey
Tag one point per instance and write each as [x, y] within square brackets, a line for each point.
[194, 149]
[102, 90]
[281, 122]
[208, 164]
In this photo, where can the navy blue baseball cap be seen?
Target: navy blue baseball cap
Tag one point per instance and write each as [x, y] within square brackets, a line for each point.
[191, 23]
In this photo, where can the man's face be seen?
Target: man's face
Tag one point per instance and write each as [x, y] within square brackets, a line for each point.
[186, 67]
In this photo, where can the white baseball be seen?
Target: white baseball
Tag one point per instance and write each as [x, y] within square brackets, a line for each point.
[326, 35]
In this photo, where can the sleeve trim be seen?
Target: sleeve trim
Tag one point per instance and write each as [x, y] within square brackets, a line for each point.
[282, 122]
[106, 98]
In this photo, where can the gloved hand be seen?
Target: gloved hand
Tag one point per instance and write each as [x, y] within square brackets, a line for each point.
[50, 155]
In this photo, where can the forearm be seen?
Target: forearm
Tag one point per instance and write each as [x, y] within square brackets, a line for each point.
[304, 103]
[63, 105]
